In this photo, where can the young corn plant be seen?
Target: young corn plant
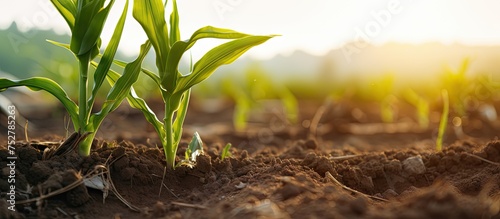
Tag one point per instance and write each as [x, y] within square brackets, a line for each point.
[258, 86]
[225, 152]
[458, 86]
[174, 86]
[444, 120]
[262, 86]
[243, 102]
[422, 106]
[86, 19]
[383, 90]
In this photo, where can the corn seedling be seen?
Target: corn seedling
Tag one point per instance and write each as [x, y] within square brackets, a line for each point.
[243, 101]
[225, 152]
[382, 91]
[258, 86]
[86, 20]
[444, 120]
[195, 148]
[458, 87]
[261, 86]
[174, 86]
[422, 106]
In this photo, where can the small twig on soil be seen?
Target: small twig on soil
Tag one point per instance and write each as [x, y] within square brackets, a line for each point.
[62, 211]
[171, 192]
[164, 185]
[346, 157]
[189, 205]
[163, 178]
[485, 160]
[329, 176]
[313, 128]
[117, 194]
[112, 185]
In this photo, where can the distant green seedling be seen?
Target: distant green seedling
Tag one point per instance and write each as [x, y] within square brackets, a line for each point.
[382, 90]
[458, 87]
[258, 86]
[422, 106]
[225, 152]
[243, 103]
[174, 86]
[86, 20]
[444, 120]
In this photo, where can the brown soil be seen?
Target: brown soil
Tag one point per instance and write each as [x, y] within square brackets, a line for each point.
[276, 171]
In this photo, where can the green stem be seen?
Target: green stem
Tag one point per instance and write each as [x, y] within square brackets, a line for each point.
[83, 112]
[82, 85]
[444, 120]
[169, 147]
[86, 144]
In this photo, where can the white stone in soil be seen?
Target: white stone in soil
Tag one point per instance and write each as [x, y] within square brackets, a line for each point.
[414, 165]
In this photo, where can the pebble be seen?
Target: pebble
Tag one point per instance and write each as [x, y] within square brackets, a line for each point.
[414, 165]
[389, 193]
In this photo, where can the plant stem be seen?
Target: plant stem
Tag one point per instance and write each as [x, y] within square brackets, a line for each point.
[444, 121]
[84, 147]
[169, 147]
[82, 99]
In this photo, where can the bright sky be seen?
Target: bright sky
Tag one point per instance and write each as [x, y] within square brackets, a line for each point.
[315, 26]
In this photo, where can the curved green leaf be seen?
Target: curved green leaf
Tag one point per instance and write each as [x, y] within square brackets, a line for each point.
[67, 8]
[62, 45]
[149, 73]
[151, 15]
[89, 23]
[214, 32]
[107, 57]
[178, 49]
[221, 55]
[139, 103]
[39, 83]
[174, 57]
[95, 29]
[181, 115]
[175, 34]
[122, 86]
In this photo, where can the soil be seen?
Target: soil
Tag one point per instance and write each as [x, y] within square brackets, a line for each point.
[347, 168]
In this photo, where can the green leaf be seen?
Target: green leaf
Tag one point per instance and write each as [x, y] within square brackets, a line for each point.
[151, 15]
[39, 83]
[181, 115]
[243, 103]
[95, 29]
[290, 103]
[444, 120]
[67, 8]
[137, 103]
[89, 23]
[221, 55]
[175, 34]
[108, 56]
[122, 86]
[225, 152]
[149, 73]
[216, 33]
[195, 146]
[62, 45]
[85, 11]
[169, 81]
